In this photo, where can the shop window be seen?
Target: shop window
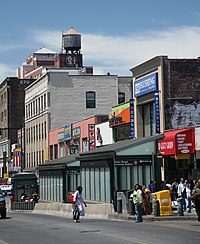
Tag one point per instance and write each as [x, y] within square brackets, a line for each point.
[90, 99]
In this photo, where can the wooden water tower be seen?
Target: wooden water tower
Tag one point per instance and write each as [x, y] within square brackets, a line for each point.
[72, 45]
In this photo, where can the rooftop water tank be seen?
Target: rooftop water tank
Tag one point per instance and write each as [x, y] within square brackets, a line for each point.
[72, 40]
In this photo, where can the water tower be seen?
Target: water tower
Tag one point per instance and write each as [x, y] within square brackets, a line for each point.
[72, 46]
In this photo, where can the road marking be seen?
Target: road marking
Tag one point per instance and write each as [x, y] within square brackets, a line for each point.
[125, 238]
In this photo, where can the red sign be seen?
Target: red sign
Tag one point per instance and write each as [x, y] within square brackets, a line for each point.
[177, 142]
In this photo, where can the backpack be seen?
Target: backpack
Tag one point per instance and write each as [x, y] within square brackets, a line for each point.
[71, 197]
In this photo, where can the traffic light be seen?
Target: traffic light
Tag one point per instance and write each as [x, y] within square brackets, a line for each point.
[0, 132]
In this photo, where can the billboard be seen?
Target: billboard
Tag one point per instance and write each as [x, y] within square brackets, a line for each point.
[103, 134]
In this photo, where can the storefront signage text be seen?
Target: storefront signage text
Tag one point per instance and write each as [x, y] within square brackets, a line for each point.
[146, 85]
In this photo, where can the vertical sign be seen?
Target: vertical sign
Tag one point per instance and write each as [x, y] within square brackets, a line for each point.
[157, 111]
[132, 132]
[91, 136]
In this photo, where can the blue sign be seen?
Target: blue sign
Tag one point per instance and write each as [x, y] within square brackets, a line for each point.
[157, 111]
[146, 85]
[132, 132]
[67, 132]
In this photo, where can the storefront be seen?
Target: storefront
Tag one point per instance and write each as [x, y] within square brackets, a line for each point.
[178, 150]
[103, 172]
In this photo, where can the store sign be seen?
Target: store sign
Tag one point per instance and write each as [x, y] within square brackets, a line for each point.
[182, 156]
[67, 132]
[157, 111]
[177, 142]
[184, 143]
[61, 137]
[132, 132]
[73, 149]
[76, 132]
[91, 136]
[120, 114]
[146, 85]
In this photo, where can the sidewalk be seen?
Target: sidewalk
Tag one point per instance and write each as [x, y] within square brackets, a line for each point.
[148, 218]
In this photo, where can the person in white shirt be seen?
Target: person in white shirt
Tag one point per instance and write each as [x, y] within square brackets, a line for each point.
[182, 192]
[188, 196]
[78, 206]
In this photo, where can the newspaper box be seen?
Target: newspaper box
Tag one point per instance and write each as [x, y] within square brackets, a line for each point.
[164, 199]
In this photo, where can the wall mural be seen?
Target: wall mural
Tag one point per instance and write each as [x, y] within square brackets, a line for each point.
[183, 115]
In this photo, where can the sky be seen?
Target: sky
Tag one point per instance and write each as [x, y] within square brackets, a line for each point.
[116, 35]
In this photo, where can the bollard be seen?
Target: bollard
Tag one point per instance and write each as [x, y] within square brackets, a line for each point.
[156, 208]
[119, 205]
[180, 206]
[131, 206]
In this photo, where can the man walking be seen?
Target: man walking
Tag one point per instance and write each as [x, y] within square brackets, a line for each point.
[182, 192]
[137, 200]
[196, 198]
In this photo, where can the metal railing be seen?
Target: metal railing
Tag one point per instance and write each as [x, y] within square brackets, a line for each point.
[22, 205]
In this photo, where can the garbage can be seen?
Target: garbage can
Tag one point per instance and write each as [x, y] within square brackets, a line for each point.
[131, 207]
[156, 208]
[119, 205]
[180, 206]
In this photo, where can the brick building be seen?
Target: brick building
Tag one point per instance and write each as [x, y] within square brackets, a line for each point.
[12, 96]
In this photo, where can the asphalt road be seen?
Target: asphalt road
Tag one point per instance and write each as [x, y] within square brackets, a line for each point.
[28, 228]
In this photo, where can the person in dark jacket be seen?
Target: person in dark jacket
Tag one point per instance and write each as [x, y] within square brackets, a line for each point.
[195, 197]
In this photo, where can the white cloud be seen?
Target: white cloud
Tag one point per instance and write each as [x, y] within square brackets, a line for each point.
[6, 71]
[117, 54]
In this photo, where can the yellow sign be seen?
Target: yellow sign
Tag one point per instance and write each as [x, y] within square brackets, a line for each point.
[5, 176]
[182, 156]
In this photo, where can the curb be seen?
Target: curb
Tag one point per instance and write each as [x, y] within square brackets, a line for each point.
[150, 218]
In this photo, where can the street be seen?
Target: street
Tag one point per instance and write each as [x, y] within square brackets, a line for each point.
[28, 228]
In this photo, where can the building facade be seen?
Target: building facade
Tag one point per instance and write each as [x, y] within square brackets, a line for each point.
[166, 97]
[12, 97]
[57, 98]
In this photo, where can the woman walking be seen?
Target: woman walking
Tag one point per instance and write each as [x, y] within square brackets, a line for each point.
[78, 206]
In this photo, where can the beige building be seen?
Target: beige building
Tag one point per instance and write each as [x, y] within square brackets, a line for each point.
[58, 98]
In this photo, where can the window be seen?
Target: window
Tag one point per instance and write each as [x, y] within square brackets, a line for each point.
[90, 100]
[121, 97]
[55, 151]
[149, 123]
[51, 152]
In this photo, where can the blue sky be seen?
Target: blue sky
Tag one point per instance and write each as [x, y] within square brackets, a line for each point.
[116, 35]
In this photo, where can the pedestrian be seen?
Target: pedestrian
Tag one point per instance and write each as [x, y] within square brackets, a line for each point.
[174, 190]
[195, 196]
[138, 201]
[182, 192]
[151, 186]
[35, 197]
[78, 206]
[164, 185]
[188, 196]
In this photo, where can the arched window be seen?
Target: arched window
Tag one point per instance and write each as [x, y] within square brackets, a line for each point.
[121, 97]
[90, 99]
